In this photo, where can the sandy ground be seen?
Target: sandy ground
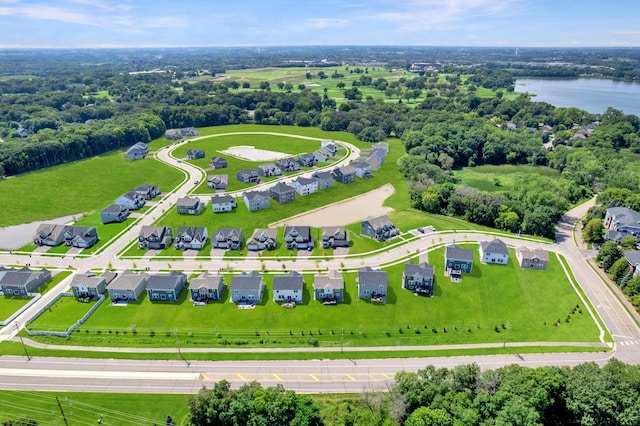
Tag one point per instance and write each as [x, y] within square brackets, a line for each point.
[344, 212]
[14, 237]
[250, 153]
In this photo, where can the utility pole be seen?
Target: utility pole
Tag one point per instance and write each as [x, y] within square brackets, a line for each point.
[62, 412]
[22, 341]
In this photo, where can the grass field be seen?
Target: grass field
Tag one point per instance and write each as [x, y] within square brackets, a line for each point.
[10, 304]
[500, 178]
[494, 304]
[59, 316]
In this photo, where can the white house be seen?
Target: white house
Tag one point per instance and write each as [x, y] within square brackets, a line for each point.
[288, 288]
[305, 186]
[494, 252]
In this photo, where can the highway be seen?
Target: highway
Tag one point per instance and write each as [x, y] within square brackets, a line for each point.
[304, 376]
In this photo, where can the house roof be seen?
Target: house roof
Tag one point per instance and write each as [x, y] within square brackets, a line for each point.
[146, 231]
[19, 277]
[168, 281]
[251, 195]
[268, 233]
[422, 269]
[131, 195]
[303, 181]
[292, 281]
[113, 208]
[218, 160]
[281, 188]
[331, 231]
[246, 281]
[454, 252]
[109, 276]
[496, 246]
[267, 166]
[193, 231]
[50, 230]
[624, 216]
[227, 233]
[247, 172]
[87, 280]
[207, 280]
[322, 176]
[145, 187]
[128, 281]
[380, 222]
[187, 201]
[221, 199]
[304, 231]
[331, 280]
[632, 256]
[218, 178]
[369, 276]
[526, 253]
[345, 170]
[360, 165]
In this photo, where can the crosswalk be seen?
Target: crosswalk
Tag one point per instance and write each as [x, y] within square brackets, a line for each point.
[629, 342]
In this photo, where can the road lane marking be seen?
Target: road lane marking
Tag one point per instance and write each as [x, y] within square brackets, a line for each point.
[204, 376]
[277, 377]
[241, 377]
[351, 377]
[315, 379]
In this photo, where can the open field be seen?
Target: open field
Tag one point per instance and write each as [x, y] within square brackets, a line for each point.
[61, 315]
[500, 178]
[10, 304]
[494, 304]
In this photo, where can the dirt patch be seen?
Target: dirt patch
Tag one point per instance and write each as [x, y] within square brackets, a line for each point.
[344, 212]
[250, 153]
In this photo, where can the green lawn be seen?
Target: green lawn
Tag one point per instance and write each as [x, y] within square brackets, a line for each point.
[65, 312]
[10, 304]
[494, 304]
[58, 277]
[500, 178]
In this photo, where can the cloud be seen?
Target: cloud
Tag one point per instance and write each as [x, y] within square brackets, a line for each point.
[627, 32]
[322, 23]
[103, 5]
[49, 13]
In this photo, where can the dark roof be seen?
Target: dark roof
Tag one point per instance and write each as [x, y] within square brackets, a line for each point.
[496, 246]
[281, 187]
[332, 280]
[207, 280]
[305, 181]
[292, 281]
[323, 176]
[230, 232]
[165, 281]
[380, 221]
[624, 216]
[368, 276]
[304, 231]
[88, 279]
[632, 256]
[254, 194]
[422, 270]
[217, 199]
[146, 231]
[113, 208]
[526, 253]
[127, 281]
[246, 281]
[187, 201]
[454, 252]
[193, 231]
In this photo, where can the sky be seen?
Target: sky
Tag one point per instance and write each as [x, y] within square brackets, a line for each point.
[171, 23]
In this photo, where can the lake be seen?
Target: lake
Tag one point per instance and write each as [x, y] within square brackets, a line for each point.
[594, 95]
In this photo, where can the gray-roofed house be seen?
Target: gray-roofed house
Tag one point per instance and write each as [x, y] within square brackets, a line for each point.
[128, 286]
[155, 237]
[49, 234]
[325, 179]
[532, 259]
[227, 239]
[173, 134]
[256, 200]
[22, 282]
[458, 260]
[137, 151]
[372, 284]
[246, 288]
[282, 193]
[298, 238]
[269, 169]
[248, 176]
[131, 200]
[330, 146]
[207, 286]
[305, 186]
[334, 236]
[80, 236]
[322, 155]
[114, 213]
[362, 168]
[191, 238]
[307, 160]
[328, 288]
[344, 174]
[633, 259]
[263, 239]
[195, 154]
[189, 131]
[374, 163]
[147, 191]
[288, 164]
[166, 287]
[223, 203]
[495, 251]
[384, 146]
[88, 286]
[418, 278]
[378, 154]
[379, 228]
[218, 163]
[288, 288]
[623, 220]
[218, 182]
[189, 205]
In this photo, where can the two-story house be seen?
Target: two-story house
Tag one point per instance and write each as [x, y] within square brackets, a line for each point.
[131, 200]
[305, 186]
[207, 286]
[88, 286]
[218, 182]
[127, 286]
[344, 174]
[372, 284]
[269, 169]
[22, 282]
[147, 191]
[189, 205]
[532, 258]
[282, 193]
[418, 278]
[256, 200]
[80, 236]
[288, 288]
[227, 239]
[114, 214]
[155, 237]
[195, 154]
[329, 146]
[362, 168]
[307, 160]
[495, 251]
[247, 288]
[218, 163]
[334, 237]
[324, 179]
[137, 151]
[166, 287]
[379, 228]
[288, 164]
[457, 260]
[191, 238]
[248, 176]
[223, 203]
[621, 221]
[49, 234]
[328, 288]
[298, 238]
[263, 239]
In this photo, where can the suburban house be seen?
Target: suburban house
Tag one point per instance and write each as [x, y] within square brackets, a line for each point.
[191, 238]
[173, 134]
[494, 252]
[330, 146]
[223, 203]
[298, 238]
[622, 220]
[114, 213]
[195, 154]
[218, 182]
[131, 200]
[147, 191]
[166, 287]
[418, 278]
[269, 169]
[324, 179]
[263, 239]
[362, 168]
[137, 151]
[282, 193]
[189, 205]
[227, 238]
[256, 200]
[305, 186]
[21, 282]
[128, 286]
[633, 259]
[334, 236]
[344, 174]
[374, 163]
[372, 284]
[189, 131]
[247, 288]
[307, 160]
[288, 164]
[88, 286]
[328, 288]
[379, 228]
[207, 287]
[322, 155]
[379, 154]
[248, 176]
[534, 259]
[383, 146]
[155, 237]
[457, 260]
[288, 288]
[80, 236]
[49, 234]
[218, 163]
